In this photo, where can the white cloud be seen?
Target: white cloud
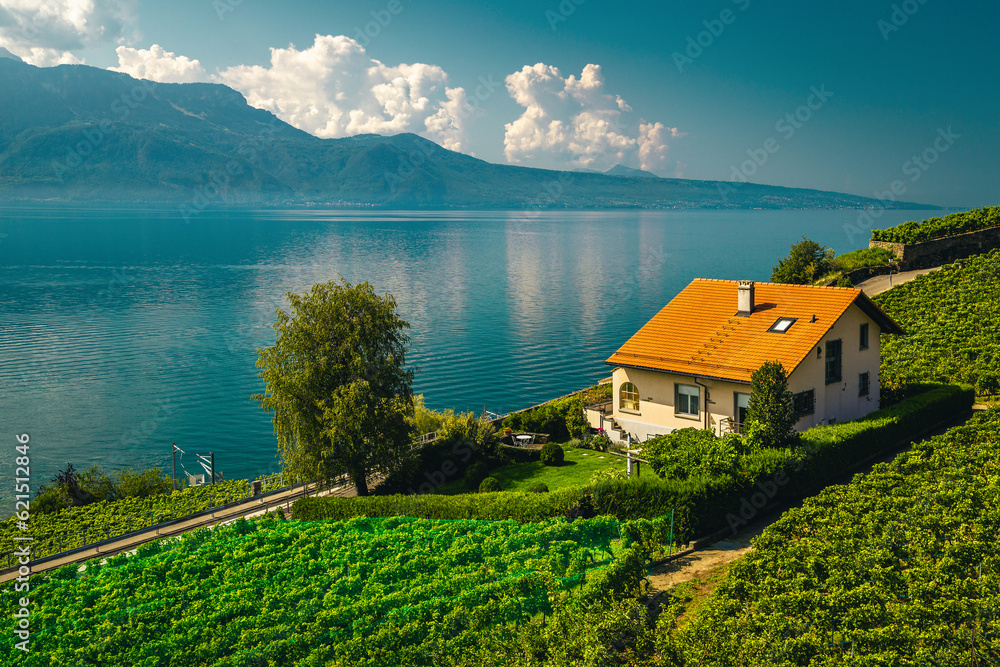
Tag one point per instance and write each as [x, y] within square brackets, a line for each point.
[334, 89]
[44, 57]
[574, 122]
[158, 64]
[46, 32]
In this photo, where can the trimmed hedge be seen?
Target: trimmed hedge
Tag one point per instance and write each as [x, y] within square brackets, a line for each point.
[701, 504]
[516, 505]
[519, 454]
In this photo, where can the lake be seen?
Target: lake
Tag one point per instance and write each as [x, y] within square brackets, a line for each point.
[122, 331]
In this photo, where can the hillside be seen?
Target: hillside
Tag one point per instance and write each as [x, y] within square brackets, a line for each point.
[78, 133]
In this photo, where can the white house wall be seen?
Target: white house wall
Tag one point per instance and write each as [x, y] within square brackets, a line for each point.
[656, 414]
[840, 401]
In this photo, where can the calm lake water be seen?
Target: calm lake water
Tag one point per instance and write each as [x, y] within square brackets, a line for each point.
[122, 331]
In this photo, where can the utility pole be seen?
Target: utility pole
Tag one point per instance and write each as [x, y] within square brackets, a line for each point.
[173, 457]
[213, 468]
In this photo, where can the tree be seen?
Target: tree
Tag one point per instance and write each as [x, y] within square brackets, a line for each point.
[770, 413]
[335, 383]
[807, 262]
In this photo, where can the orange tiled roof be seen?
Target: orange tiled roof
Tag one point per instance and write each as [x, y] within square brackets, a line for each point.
[699, 333]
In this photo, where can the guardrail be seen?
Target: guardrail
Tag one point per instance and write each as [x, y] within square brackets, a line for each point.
[77, 541]
[424, 439]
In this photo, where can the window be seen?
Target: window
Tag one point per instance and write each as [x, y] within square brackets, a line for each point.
[804, 403]
[864, 337]
[833, 348]
[629, 397]
[688, 400]
[742, 402]
[781, 326]
[864, 384]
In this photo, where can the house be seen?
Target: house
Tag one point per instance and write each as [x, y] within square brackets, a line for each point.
[690, 366]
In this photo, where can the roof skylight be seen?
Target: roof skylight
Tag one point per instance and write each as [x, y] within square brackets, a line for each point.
[782, 325]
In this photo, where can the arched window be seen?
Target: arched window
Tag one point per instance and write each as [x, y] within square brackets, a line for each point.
[629, 396]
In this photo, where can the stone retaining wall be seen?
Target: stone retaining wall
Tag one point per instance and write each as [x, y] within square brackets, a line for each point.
[936, 252]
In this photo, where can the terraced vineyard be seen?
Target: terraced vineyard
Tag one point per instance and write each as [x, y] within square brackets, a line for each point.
[360, 592]
[77, 526]
[952, 317]
[935, 228]
[900, 567]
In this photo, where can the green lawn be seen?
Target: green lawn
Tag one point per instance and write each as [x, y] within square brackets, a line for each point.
[577, 469]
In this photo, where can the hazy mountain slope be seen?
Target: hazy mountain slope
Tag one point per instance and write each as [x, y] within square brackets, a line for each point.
[80, 133]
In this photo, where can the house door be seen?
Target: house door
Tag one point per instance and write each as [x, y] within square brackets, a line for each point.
[740, 410]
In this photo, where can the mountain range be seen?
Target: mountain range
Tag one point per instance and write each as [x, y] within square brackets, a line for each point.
[82, 134]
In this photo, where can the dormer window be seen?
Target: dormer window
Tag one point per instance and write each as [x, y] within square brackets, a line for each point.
[782, 325]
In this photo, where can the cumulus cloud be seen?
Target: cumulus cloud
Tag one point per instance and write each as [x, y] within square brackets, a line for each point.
[158, 64]
[46, 32]
[575, 122]
[335, 89]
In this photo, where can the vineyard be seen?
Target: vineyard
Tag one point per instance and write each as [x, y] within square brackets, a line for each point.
[76, 526]
[952, 318]
[935, 228]
[355, 592]
[899, 567]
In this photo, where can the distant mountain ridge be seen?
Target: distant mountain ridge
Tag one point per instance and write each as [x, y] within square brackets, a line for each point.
[76, 133]
[629, 172]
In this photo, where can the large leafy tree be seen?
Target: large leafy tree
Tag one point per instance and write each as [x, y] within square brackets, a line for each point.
[770, 412]
[335, 383]
[807, 262]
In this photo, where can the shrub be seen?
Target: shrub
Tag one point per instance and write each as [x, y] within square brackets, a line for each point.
[142, 484]
[609, 473]
[461, 442]
[806, 262]
[691, 452]
[562, 419]
[552, 454]
[51, 499]
[71, 488]
[770, 407]
[490, 485]
[538, 487]
[426, 420]
[470, 431]
[599, 442]
[476, 473]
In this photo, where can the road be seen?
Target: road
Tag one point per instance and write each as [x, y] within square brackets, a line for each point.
[879, 284]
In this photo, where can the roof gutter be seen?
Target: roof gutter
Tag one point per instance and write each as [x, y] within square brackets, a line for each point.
[618, 364]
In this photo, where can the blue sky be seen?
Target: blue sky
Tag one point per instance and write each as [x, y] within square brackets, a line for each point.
[885, 93]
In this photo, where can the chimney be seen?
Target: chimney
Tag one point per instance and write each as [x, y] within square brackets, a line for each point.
[744, 301]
